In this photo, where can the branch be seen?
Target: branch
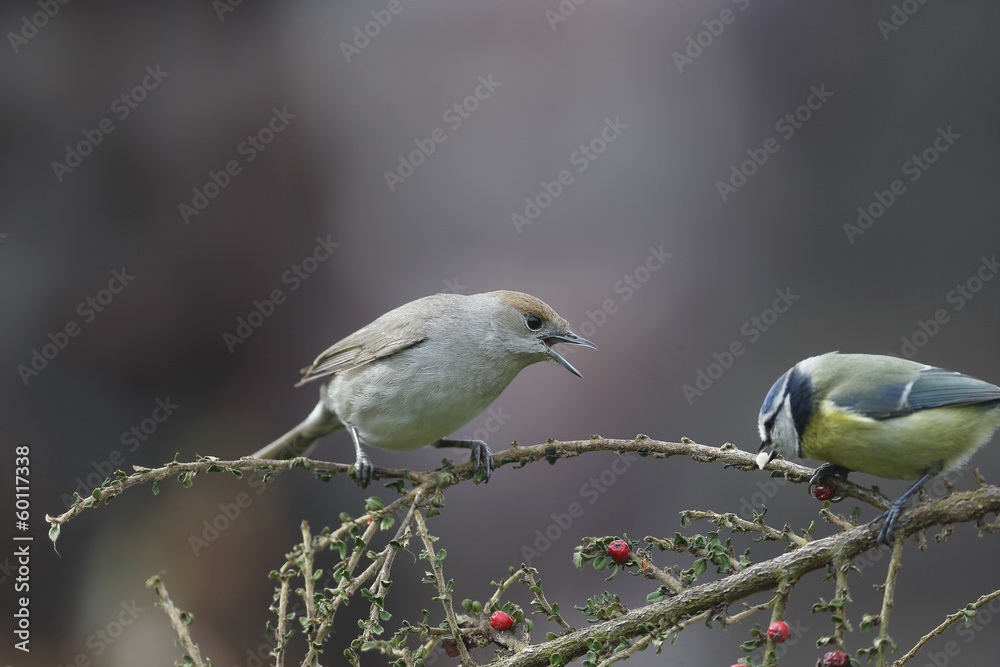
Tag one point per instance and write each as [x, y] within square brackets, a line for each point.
[966, 613]
[180, 620]
[551, 451]
[760, 577]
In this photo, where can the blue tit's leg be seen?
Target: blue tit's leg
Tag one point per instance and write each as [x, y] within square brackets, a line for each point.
[363, 467]
[481, 454]
[896, 508]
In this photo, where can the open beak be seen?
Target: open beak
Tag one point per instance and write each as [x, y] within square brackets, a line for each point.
[765, 454]
[572, 339]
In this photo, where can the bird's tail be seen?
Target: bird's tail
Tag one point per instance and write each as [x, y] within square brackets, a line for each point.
[303, 437]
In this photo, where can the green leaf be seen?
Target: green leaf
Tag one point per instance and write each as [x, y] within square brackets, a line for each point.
[54, 532]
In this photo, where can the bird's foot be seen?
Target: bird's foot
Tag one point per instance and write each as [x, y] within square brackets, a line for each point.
[824, 472]
[890, 516]
[481, 454]
[364, 469]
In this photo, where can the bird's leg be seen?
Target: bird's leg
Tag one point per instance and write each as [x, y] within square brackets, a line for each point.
[363, 467]
[826, 471]
[481, 454]
[896, 507]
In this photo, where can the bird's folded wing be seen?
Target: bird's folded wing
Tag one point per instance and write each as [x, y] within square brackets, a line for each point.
[931, 388]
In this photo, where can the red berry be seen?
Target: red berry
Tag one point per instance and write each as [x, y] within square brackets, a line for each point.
[778, 632]
[501, 620]
[824, 492]
[619, 550]
[836, 659]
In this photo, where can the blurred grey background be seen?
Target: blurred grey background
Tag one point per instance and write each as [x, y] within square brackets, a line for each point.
[841, 99]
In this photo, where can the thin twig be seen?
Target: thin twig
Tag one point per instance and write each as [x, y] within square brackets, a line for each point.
[884, 641]
[842, 593]
[501, 588]
[948, 621]
[543, 603]
[442, 588]
[729, 520]
[650, 571]
[633, 648]
[777, 614]
[518, 456]
[178, 619]
[279, 633]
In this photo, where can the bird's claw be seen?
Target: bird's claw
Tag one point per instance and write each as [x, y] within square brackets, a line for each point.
[364, 470]
[889, 524]
[824, 472]
[482, 456]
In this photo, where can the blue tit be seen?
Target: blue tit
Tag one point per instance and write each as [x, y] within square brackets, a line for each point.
[879, 415]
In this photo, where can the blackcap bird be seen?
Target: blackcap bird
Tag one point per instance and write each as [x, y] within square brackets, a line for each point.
[423, 370]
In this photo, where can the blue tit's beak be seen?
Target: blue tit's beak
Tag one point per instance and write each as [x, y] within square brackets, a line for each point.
[765, 454]
[570, 338]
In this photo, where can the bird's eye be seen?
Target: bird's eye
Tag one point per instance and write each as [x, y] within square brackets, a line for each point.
[533, 322]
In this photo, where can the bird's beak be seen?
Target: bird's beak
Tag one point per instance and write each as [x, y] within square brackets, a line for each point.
[572, 339]
[765, 454]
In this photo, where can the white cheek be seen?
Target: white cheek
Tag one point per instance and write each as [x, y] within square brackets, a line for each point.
[783, 434]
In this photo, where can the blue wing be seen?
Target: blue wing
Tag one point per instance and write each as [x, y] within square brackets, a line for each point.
[931, 388]
[937, 388]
